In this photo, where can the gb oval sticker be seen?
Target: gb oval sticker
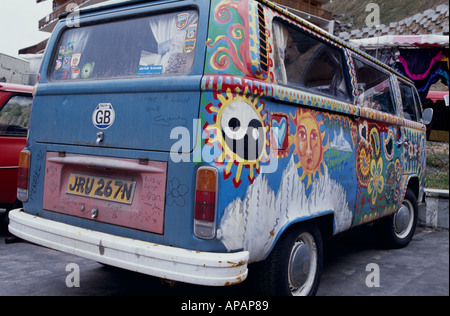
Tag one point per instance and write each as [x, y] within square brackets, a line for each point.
[103, 116]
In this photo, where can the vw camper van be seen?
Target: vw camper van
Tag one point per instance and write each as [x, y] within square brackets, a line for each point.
[199, 141]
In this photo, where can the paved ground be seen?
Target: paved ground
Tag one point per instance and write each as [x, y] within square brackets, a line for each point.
[420, 269]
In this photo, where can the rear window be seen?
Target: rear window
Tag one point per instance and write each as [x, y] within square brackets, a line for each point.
[150, 46]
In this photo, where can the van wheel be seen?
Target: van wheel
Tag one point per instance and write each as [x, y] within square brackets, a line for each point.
[294, 266]
[397, 230]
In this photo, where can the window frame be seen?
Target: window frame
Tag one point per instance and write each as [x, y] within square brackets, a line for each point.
[418, 102]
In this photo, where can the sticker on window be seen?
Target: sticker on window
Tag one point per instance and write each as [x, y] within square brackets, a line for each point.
[182, 20]
[150, 70]
[189, 45]
[61, 51]
[192, 31]
[67, 60]
[87, 70]
[76, 57]
[69, 49]
[75, 73]
[58, 64]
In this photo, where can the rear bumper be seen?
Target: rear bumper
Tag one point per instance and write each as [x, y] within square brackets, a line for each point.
[205, 268]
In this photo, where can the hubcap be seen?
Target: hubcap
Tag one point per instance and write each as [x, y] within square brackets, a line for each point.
[403, 219]
[302, 265]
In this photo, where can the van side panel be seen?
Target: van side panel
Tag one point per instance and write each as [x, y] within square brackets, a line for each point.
[261, 197]
[350, 167]
[269, 179]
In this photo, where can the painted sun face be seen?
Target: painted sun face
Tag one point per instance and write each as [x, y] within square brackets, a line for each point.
[308, 141]
[309, 144]
[240, 131]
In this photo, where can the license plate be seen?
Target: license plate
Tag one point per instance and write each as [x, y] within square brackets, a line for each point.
[116, 190]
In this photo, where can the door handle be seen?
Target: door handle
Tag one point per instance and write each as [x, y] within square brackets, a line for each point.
[404, 143]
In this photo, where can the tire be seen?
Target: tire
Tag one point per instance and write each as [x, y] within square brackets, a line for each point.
[4, 222]
[15, 205]
[397, 230]
[294, 266]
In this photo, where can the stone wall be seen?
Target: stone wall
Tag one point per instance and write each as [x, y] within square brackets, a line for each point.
[434, 213]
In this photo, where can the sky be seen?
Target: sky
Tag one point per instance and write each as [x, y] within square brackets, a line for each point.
[19, 24]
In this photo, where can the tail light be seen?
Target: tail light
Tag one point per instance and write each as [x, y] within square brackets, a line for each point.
[205, 203]
[23, 177]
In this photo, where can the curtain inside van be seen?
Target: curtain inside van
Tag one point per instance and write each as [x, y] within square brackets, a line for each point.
[281, 36]
[171, 32]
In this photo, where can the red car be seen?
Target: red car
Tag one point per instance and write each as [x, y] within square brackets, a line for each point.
[15, 108]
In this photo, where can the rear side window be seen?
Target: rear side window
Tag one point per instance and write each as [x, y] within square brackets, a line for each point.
[374, 87]
[150, 46]
[14, 116]
[305, 62]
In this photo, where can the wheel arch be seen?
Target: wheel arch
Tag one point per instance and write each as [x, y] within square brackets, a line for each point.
[323, 220]
[413, 183]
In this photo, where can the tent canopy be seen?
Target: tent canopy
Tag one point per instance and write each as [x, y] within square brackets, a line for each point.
[410, 41]
[435, 96]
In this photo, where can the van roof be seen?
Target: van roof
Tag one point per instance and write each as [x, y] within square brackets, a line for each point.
[119, 3]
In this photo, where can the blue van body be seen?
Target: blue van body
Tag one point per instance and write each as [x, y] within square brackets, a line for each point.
[188, 139]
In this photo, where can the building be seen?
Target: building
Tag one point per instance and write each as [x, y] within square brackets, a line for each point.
[310, 10]
[48, 23]
[417, 47]
[432, 21]
[13, 69]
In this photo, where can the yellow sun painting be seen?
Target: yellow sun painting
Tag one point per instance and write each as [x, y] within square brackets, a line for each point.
[240, 132]
[309, 143]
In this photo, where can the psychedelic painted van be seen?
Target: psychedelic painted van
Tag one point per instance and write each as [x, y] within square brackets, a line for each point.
[198, 140]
